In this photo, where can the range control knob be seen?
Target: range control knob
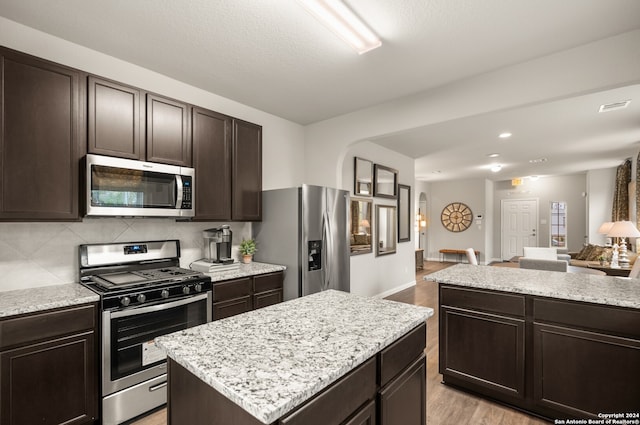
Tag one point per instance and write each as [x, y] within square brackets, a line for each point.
[186, 290]
[198, 287]
[141, 298]
[125, 301]
[164, 293]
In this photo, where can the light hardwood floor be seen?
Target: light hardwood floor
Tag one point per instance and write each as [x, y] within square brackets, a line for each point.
[445, 405]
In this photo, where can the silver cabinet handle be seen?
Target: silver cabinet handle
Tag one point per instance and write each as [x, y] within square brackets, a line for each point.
[157, 387]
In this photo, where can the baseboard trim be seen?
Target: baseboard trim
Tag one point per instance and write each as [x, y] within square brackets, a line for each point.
[394, 290]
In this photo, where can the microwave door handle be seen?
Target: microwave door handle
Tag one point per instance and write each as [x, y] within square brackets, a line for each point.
[178, 191]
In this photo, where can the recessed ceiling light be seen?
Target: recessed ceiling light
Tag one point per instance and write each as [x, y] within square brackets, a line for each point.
[337, 16]
[538, 160]
[493, 155]
[534, 178]
[614, 106]
[496, 168]
[504, 135]
[436, 172]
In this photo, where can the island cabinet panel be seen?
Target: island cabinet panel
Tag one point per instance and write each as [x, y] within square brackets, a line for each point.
[365, 416]
[582, 373]
[168, 136]
[42, 134]
[582, 359]
[49, 377]
[339, 402]
[403, 401]
[586, 358]
[482, 340]
[114, 119]
[211, 134]
[247, 171]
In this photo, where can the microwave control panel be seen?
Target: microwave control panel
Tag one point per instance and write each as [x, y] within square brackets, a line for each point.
[187, 188]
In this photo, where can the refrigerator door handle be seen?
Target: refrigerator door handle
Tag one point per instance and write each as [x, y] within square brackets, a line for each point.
[327, 248]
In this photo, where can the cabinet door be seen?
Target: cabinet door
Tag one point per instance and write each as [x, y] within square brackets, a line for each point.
[484, 350]
[211, 134]
[581, 373]
[40, 140]
[365, 416]
[168, 138]
[263, 299]
[114, 116]
[247, 172]
[404, 400]
[49, 383]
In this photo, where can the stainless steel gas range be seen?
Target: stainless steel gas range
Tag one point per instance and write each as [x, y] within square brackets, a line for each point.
[144, 294]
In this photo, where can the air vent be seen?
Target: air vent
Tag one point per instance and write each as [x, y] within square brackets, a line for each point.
[614, 106]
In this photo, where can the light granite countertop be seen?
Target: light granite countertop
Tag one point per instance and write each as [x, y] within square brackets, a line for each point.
[244, 270]
[269, 361]
[608, 290]
[31, 300]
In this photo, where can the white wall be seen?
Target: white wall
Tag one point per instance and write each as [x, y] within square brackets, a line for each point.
[600, 188]
[371, 275]
[47, 252]
[469, 192]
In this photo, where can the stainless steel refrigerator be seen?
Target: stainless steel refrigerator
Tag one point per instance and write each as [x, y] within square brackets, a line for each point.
[306, 229]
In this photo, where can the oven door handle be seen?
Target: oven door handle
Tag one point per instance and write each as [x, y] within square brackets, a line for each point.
[159, 307]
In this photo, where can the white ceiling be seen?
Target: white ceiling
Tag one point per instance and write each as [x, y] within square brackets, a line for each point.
[274, 56]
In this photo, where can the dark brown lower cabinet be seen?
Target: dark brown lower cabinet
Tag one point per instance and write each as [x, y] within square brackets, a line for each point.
[358, 398]
[403, 401]
[51, 381]
[238, 296]
[581, 359]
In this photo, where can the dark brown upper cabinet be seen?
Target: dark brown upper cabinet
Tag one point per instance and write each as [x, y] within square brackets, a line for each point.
[168, 140]
[211, 134]
[114, 116]
[247, 172]
[127, 122]
[227, 156]
[42, 139]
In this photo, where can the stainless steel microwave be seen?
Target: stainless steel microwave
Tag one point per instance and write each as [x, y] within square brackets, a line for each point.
[128, 188]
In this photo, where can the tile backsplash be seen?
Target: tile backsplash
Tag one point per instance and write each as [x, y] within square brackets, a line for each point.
[41, 254]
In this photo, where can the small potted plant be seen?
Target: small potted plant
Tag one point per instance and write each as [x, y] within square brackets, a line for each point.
[602, 259]
[247, 249]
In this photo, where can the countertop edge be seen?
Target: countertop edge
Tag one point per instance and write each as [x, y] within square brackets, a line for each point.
[33, 300]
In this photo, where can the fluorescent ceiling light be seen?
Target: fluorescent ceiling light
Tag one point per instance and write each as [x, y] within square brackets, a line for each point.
[504, 135]
[341, 20]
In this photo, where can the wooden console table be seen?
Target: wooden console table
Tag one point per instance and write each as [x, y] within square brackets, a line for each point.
[459, 252]
[419, 259]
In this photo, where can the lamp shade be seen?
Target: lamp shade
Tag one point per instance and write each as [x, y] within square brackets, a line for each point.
[605, 227]
[623, 229]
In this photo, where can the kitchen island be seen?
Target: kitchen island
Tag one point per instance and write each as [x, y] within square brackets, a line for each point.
[559, 345]
[326, 358]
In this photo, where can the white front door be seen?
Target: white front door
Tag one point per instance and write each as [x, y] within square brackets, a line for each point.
[519, 226]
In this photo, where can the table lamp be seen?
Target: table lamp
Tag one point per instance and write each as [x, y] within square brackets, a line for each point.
[604, 229]
[621, 229]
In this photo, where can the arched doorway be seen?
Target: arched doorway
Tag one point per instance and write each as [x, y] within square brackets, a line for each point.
[423, 223]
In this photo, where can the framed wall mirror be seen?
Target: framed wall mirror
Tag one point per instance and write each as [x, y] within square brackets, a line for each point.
[386, 229]
[384, 181]
[362, 177]
[404, 213]
[360, 226]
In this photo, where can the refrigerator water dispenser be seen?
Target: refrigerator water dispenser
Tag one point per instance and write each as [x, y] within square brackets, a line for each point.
[315, 255]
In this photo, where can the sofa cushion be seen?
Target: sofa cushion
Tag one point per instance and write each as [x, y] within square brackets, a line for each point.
[585, 252]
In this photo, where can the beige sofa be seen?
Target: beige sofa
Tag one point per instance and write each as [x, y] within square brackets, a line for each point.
[589, 254]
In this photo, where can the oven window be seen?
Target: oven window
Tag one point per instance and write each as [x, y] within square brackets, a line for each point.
[132, 349]
[121, 187]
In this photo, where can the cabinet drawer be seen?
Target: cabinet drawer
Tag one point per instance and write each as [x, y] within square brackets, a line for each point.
[475, 299]
[340, 400]
[401, 353]
[231, 307]
[231, 289]
[616, 320]
[264, 299]
[40, 326]
[267, 282]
